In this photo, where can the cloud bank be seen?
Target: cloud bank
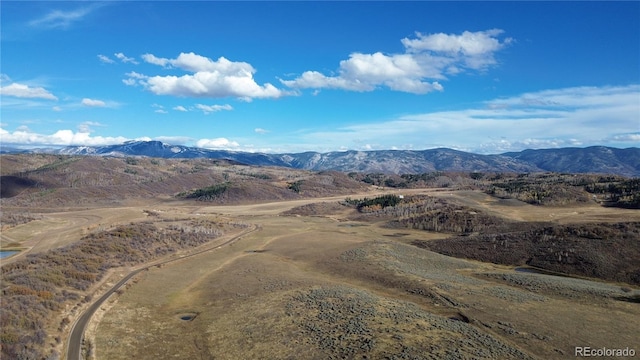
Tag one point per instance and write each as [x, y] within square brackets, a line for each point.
[578, 116]
[545, 119]
[426, 57]
[59, 138]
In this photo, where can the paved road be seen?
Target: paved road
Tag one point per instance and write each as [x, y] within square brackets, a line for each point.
[74, 347]
[75, 339]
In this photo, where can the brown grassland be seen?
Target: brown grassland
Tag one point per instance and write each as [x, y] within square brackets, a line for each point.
[333, 270]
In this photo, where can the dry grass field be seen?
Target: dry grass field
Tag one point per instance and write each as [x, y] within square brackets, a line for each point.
[316, 279]
[323, 287]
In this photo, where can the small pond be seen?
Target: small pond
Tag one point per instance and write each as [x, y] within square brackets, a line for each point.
[7, 253]
[187, 316]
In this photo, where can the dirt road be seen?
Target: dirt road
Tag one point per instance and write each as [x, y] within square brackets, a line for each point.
[74, 347]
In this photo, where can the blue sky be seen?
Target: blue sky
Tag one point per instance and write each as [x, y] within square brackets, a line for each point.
[486, 77]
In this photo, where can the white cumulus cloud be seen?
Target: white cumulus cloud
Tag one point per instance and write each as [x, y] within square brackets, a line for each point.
[426, 58]
[26, 91]
[205, 78]
[93, 103]
[213, 108]
[180, 108]
[105, 59]
[217, 143]
[467, 43]
[577, 116]
[125, 59]
[86, 126]
[152, 59]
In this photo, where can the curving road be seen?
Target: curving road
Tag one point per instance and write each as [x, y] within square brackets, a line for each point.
[75, 339]
[74, 346]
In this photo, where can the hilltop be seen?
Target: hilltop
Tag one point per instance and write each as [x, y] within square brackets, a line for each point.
[54, 180]
[47, 180]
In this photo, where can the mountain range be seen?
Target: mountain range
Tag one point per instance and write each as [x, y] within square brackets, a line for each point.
[594, 159]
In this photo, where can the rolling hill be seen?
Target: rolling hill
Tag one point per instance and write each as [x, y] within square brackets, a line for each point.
[595, 159]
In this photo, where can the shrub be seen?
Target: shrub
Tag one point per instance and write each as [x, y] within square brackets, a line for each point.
[295, 186]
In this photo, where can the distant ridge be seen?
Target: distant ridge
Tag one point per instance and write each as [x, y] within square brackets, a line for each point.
[595, 159]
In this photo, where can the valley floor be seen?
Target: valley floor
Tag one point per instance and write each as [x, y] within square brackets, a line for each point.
[320, 284]
[322, 287]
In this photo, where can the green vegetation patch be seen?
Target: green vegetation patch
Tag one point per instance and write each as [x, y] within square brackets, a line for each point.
[206, 193]
[380, 202]
[61, 161]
